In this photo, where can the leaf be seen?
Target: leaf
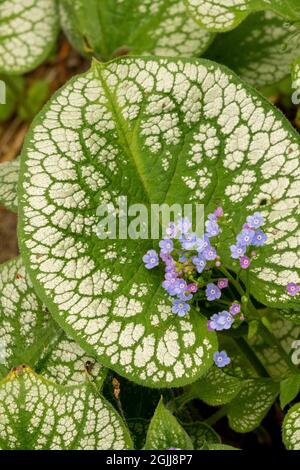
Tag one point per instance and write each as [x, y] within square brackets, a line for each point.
[289, 389]
[28, 335]
[216, 387]
[219, 447]
[36, 414]
[127, 128]
[260, 50]
[36, 96]
[201, 434]
[165, 432]
[248, 409]
[160, 28]
[9, 175]
[10, 90]
[285, 333]
[291, 428]
[28, 31]
[217, 15]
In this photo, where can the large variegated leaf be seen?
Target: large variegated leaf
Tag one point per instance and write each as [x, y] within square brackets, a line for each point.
[251, 405]
[286, 333]
[223, 15]
[261, 50]
[37, 414]
[29, 335]
[9, 174]
[291, 428]
[160, 27]
[157, 131]
[28, 30]
[165, 432]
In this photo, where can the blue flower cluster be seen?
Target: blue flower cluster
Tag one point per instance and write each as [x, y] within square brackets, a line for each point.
[250, 236]
[184, 254]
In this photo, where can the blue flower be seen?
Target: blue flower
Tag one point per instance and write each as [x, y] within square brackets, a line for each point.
[188, 241]
[256, 220]
[185, 296]
[237, 251]
[245, 237]
[210, 253]
[202, 243]
[180, 307]
[221, 321]
[166, 246]
[259, 238]
[212, 292]
[184, 225]
[212, 228]
[180, 286]
[171, 230]
[151, 259]
[200, 263]
[221, 359]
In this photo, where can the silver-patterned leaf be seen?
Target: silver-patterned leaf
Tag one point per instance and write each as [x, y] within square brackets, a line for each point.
[291, 428]
[165, 432]
[201, 434]
[156, 131]
[36, 414]
[260, 50]
[29, 335]
[248, 409]
[9, 174]
[159, 27]
[224, 15]
[28, 30]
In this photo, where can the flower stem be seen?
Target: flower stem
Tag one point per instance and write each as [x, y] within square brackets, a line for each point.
[220, 413]
[251, 356]
[235, 283]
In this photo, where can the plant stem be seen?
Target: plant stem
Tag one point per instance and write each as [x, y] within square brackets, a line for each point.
[251, 356]
[220, 413]
[233, 280]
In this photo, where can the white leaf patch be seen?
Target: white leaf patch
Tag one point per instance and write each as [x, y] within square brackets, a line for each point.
[28, 30]
[36, 414]
[291, 428]
[9, 174]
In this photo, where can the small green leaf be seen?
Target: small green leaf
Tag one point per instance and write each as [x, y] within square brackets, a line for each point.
[9, 175]
[253, 328]
[201, 434]
[248, 409]
[160, 27]
[165, 431]
[291, 428]
[216, 15]
[28, 31]
[289, 389]
[34, 100]
[28, 335]
[216, 387]
[155, 130]
[260, 50]
[37, 414]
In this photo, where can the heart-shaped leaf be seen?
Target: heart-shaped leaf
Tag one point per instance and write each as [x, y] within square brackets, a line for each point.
[36, 414]
[156, 131]
[216, 387]
[9, 175]
[289, 389]
[201, 434]
[291, 428]
[162, 28]
[260, 50]
[28, 30]
[165, 432]
[29, 335]
[251, 405]
[218, 15]
[286, 333]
